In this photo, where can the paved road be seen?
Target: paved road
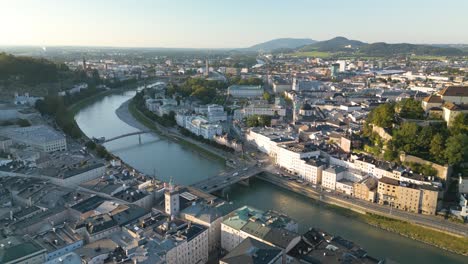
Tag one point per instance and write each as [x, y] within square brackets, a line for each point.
[364, 206]
[228, 178]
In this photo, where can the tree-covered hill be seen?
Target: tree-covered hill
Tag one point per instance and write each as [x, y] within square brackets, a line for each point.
[28, 70]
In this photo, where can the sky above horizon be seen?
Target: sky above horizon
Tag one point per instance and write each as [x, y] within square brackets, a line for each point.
[228, 23]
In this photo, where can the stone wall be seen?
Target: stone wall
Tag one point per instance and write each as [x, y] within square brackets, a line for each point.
[443, 172]
[381, 132]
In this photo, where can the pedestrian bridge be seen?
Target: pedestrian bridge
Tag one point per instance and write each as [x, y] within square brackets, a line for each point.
[103, 140]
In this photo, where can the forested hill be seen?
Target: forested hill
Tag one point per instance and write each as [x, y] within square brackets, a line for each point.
[28, 70]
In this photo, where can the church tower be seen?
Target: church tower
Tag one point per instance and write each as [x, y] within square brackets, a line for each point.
[172, 201]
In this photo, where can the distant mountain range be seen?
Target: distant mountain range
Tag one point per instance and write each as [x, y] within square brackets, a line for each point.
[281, 43]
[356, 47]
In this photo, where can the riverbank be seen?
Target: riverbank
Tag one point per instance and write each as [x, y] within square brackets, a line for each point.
[130, 115]
[427, 235]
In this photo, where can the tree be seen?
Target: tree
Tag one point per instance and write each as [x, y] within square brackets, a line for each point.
[459, 125]
[456, 150]
[266, 96]
[405, 138]
[383, 115]
[437, 148]
[90, 145]
[410, 108]
[252, 121]
[390, 154]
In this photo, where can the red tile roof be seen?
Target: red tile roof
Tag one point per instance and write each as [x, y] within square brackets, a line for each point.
[455, 91]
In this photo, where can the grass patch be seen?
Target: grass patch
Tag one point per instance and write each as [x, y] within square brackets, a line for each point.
[428, 58]
[439, 239]
[315, 53]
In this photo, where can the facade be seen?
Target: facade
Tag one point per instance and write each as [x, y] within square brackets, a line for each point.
[268, 139]
[345, 186]
[281, 86]
[289, 156]
[366, 189]
[216, 113]
[408, 199]
[200, 126]
[429, 200]
[210, 218]
[171, 198]
[268, 110]
[331, 175]
[245, 91]
[75, 176]
[387, 191]
[311, 170]
[40, 137]
[455, 94]
[462, 185]
[190, 246]
[408, 196]
[451, 110]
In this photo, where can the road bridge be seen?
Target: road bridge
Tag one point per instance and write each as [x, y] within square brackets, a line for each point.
[227, 179]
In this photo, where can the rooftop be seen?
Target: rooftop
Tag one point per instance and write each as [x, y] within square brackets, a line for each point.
[455, 91]
[252, 251]
[38, 133]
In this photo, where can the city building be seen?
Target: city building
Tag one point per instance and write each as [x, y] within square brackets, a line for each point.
[245, 91]
[290, 156]
[253, 251]
[455, 94]
[16, 250]
[200, 126]
[366, 189]
[334, 69]
[269, 227]
[259, 109]
[408, 196]
[208, 216]
[387, 191]
[40, 137]
[331, 175]
[58, 241]
[281, 85]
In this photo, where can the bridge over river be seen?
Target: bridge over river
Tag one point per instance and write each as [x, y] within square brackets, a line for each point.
[226, 179]
[103, 140]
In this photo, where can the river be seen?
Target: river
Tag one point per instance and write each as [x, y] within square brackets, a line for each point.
[168, 159]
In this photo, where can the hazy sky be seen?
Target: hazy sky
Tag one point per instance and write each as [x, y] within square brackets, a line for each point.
[228, 23]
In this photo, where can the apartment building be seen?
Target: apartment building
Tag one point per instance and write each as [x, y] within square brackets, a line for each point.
[331, 175]
[408, 196]
[366, 189]
[267, 139]
[387, 191]
[290, 156]
[311, 170]
[200, 126]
